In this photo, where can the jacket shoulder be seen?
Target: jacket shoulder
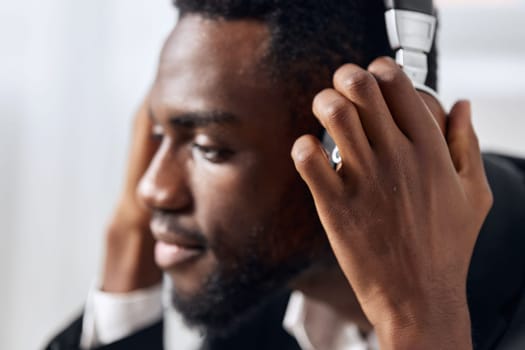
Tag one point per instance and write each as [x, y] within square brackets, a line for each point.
[496, 281]
[150, 338]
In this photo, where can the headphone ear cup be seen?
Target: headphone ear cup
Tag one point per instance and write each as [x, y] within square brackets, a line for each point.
[332, 151]
[411, 27]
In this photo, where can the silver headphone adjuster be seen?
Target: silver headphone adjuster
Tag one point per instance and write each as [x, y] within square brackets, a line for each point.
[411, 35]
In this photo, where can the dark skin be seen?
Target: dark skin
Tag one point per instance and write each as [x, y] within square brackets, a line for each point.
[432, 194]
[210, 65]
[204, 188]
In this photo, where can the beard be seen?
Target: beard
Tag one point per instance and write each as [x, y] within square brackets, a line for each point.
[232, 296]
[247, 279]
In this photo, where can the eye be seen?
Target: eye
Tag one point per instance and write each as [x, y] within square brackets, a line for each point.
[212, 154]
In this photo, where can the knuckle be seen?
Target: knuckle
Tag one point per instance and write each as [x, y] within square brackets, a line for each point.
[305, 153]
[335, 113]
[322, 97]
[384, 62]
[305, 158]
[332, 109]
[345, 70]
[388, 74]
[354, 80]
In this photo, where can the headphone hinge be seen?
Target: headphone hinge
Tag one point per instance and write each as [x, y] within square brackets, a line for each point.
[411, 35]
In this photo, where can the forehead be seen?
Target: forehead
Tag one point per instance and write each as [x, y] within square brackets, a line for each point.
[233, 44]
[215, 64]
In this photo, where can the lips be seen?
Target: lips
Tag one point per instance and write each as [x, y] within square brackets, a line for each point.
[169, 256]
[175, 246]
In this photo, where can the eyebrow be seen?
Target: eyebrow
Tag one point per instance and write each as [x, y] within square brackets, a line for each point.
[192, 120]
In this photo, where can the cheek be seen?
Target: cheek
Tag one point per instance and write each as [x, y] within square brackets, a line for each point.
[245, 188]
[230, 201]
[233, 204]
[261, 210]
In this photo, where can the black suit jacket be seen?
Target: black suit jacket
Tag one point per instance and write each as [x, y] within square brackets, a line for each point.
[496, 284]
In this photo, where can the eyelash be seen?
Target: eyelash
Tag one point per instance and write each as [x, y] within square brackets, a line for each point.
[212, 154]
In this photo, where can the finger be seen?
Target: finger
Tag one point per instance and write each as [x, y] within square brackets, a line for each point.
[142, 150]
[361, 88]
[462, 141]
[340, 118]
[466, 156]
[409, 111]
[313, 166]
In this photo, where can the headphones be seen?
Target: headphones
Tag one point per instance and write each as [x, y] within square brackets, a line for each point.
[411, 29]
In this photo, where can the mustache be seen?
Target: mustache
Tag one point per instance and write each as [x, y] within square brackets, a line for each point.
[172, 225]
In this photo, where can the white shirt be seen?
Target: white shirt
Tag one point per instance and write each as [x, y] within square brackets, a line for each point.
[110, 317]
[316, 327]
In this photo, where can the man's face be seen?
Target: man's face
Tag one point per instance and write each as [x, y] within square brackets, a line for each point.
[233, 220]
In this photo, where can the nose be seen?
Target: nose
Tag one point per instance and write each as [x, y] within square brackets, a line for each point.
[164, 185]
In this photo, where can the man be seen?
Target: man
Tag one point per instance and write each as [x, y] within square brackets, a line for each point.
[224, 211]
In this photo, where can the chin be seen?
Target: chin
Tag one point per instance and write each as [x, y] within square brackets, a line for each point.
[188, 280]
[223, 300]
[185, 287]
[221, 314]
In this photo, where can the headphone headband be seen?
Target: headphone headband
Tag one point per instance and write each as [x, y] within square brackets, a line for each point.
[411, 27]
[421, 6]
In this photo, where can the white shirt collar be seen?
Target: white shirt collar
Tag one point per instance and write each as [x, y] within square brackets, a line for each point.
[317, 327]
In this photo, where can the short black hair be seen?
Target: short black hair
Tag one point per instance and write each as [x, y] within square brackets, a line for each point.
[310, 39]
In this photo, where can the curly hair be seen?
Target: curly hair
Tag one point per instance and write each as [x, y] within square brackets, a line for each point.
[310, 39]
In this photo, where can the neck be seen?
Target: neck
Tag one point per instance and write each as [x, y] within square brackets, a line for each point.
[328, 285]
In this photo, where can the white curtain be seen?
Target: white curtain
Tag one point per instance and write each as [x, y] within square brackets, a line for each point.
[71, 75]
[482, 47]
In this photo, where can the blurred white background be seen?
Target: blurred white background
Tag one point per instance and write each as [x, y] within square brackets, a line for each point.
[71, 75]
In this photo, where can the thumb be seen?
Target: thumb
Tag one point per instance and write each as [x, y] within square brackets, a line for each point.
[462, 141]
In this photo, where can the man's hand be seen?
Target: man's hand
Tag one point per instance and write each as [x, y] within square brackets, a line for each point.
[129, 262]
[404, 209]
